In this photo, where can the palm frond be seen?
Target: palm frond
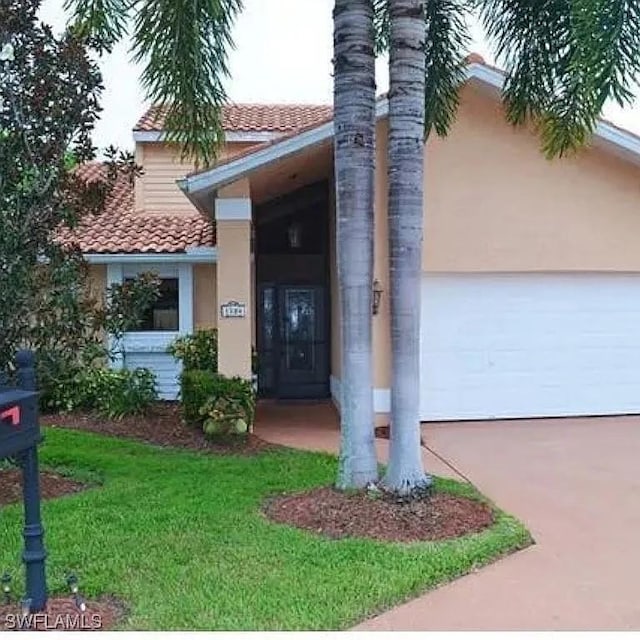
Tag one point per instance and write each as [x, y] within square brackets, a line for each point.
[563, 59]
[381, 25]
[102, 23]
[183, 45]
[609, 32]
[446, 46]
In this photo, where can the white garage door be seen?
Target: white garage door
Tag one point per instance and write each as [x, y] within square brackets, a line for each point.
[517, 345]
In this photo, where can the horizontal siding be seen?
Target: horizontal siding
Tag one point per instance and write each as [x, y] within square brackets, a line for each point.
[165, 368]
[156, 190]
[204, 296]
[159, 191]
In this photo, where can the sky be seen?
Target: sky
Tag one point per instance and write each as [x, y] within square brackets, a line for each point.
[282, 54]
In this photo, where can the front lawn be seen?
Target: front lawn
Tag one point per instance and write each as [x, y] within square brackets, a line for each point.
[180, 537]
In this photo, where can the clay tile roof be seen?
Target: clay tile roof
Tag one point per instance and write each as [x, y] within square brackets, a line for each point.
[119, 229]
[275, 118]
[475, 58]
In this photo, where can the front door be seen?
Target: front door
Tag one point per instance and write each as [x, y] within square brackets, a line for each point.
[293, 358]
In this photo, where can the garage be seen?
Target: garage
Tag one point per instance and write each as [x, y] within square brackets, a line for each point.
[518, 345]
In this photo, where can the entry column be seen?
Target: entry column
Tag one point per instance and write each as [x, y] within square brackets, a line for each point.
[233, 276]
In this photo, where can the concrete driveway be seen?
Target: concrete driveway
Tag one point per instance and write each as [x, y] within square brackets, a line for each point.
[576, 485]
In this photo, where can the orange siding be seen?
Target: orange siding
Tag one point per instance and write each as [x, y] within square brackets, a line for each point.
[493, 202]
[156, 190]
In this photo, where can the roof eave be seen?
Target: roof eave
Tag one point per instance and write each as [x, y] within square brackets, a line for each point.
[195, 255]
[200, 188]
[142, 135]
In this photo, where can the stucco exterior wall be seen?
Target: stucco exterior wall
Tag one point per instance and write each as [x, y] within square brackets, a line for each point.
[493, 202]
[336, 333]
[234, 283]
[381, 332]
[204, 296]
[97, 281]
[156, 190]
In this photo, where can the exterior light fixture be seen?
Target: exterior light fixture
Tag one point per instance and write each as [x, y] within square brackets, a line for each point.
[294, 233]
[377, 295]
[72, 583]
[78, 600]
[25, 607]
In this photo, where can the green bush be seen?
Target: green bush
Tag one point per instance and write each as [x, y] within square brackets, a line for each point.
[221, 405]
[197, 351]
[113, 393]
[230, 411]
[196, 387]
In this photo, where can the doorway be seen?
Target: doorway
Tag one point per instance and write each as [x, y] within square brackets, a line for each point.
[292, 286]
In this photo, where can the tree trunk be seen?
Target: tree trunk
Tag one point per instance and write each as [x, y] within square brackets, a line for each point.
[406, 165]
[354, 117]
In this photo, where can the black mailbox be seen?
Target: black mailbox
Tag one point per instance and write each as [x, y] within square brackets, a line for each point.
[19, 439]
[18, 428]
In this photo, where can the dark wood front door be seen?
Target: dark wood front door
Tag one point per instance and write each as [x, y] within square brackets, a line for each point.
[293, 346]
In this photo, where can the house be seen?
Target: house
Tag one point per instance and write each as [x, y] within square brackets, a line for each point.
[530, 292]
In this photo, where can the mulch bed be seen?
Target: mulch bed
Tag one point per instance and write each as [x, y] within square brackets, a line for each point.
[384, 433]
[162, 425]
[435, 516]
[52, 485]
[63, 615]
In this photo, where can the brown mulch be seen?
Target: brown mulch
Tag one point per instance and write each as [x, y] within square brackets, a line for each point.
[384, 433]
[435, 516]
[162, 425]
[52, 485]
[62, 614]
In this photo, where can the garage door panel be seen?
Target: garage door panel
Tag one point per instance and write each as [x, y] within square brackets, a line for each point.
[529, 345]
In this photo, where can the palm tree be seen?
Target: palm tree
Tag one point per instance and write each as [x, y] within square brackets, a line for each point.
[183, 45]
[407, 63]
[354, 150]
[563, 60]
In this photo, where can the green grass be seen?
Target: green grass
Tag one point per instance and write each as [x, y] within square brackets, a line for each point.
[180, 538]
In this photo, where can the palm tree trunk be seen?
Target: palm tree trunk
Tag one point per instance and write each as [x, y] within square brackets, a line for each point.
[406, 165]
[354, 117]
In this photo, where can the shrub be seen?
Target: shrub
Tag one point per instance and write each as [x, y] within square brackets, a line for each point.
[112, 393]
[223, 406]
[197, 351]
[230, 411]
[196, 387]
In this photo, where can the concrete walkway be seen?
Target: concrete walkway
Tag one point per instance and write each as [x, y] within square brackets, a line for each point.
[576, 485]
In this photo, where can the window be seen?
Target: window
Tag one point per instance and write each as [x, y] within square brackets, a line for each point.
[163, 314]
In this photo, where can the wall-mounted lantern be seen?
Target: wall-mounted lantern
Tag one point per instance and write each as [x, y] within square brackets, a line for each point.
[377, 295]
[294, 233]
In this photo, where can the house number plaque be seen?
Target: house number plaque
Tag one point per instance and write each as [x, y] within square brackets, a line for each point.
[233, 309]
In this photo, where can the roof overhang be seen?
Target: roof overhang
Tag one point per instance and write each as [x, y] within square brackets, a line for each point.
[624, 142]
[229, 136]
[201, 187]
[201, 255]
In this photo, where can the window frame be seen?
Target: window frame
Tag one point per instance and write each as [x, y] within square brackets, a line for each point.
[157, 341]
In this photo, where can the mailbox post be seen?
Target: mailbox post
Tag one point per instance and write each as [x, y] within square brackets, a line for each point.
[19, 439]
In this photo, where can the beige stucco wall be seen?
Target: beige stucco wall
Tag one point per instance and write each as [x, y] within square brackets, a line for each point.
[334, 289]
[494, 203]
[234, 283]
[156, 190]
[97, 281]
[204, 296]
